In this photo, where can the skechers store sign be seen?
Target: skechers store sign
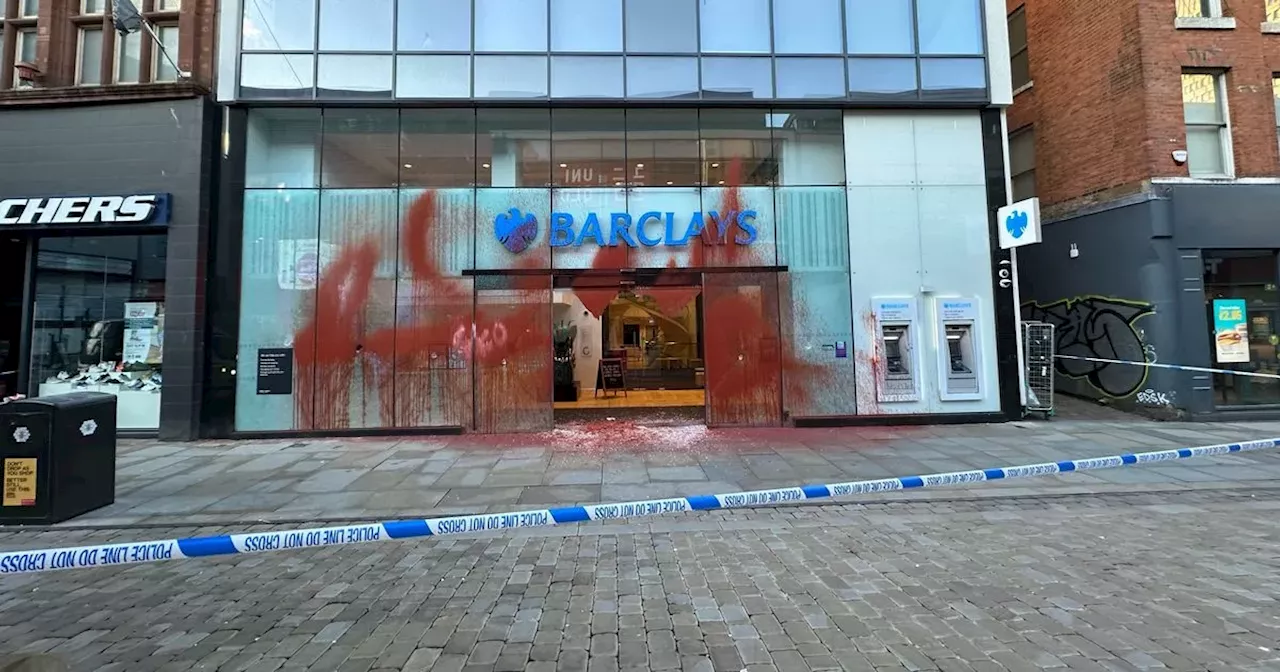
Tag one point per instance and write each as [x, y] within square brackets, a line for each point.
[517, 230]
[73, 210]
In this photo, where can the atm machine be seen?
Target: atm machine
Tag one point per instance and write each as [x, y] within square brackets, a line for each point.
[898, 375]
[959, 368]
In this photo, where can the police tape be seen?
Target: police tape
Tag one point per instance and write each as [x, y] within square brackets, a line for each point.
[1175, 367]
[26, 562]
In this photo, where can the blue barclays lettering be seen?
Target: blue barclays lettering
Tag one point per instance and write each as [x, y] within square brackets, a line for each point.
[268, 541]
[358, 535]
[14, 563]
[149, 552]
[563, 233]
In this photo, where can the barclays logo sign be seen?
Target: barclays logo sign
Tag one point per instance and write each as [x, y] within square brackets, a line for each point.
[518, 230]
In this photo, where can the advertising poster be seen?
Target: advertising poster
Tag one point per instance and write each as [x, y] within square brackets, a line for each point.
[1230, 331]
[143, 332]
[19, 481]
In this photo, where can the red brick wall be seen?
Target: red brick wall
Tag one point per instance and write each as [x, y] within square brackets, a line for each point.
[1106, 103]
[56, 58]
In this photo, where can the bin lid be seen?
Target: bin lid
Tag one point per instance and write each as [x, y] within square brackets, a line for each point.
[66, 400]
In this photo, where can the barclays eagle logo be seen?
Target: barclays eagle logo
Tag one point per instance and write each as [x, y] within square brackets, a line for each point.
[1016, 223]
[515, 230]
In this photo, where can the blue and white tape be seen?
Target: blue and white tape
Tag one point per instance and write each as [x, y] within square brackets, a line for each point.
[1175, 367]
[25, 562]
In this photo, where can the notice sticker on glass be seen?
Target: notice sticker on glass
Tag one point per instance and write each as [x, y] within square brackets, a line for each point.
[1230, 331]
[19, 481]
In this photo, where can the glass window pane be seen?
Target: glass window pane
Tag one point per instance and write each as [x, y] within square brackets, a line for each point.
[89, 7]
[876, 78]
[360, 148]
[511, 76]
[27, 46]
[90, 57]
[737, 78]
[810, 77]
[438, 148]
[807, 27]
[434, 25]
[1275, 90]
[513, 148]
[161, 66]
[433, 77]
[279, 25]
[1020, 69]
[587, 148]
[356, 25]
[662, 77]
[959, 78]
[586, 25]
[663, 148]
[1200, 99]
[343, 76]
[168, 5]
[735, 26]
[737, 147]
[276, 75]
[1193, 8]
[879, 26]
[282, 148]
[511, 25]
[662, 26]
[129, 58]
[1204, 151]
[809, 146]
[1018, 30]
[950, 26]
[30, 7]
[586, 76]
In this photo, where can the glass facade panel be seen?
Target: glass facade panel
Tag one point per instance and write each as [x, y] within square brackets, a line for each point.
[350, 76]
[734, 26]
[808, 27]
[736, 228]
[744, 364]
[737, 148]
[357, 25]
[360, 148]
[588, 148]
[1251, 277]
[809, 146]
[438, 148]
[513, 147]
[662, 26]
[950, 26]
[129, 58]
[662, 77]
[953, 78]
[433, 76]
[589, 228]
[882, 78]
[511, 25]
[511, 77]
[879, 26]
[810, 78]
[277, 76]
[433, 25]
[586, 25]
[663, 148]
[735, 78]
[586, 77]
[513, 354]
[282, 149]
[279, 25]
[505, 238]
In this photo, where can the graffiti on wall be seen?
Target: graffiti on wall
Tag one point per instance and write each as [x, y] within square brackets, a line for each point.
[1098, 327]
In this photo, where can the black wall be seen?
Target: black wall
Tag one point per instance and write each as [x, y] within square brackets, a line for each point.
[151, 147]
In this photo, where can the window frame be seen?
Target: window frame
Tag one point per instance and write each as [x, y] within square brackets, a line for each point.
[1014, 136]
[1224, 126]
[1214, 7]
[117, 57]
[157, 57]
[81, 30]
[111, 42]
[13, 23]
[1275, 94]
[1024, 51]
[1271, 13]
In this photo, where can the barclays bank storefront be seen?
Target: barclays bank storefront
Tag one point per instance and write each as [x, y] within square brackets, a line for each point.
[498, 215]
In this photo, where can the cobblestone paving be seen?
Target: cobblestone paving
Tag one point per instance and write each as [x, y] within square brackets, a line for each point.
[1184, 581]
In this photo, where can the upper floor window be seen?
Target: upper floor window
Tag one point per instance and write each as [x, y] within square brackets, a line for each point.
[17, 37]
[28, 9]
[1199, 9]
[1021, 66]
[1273, 11]
[1022, 164]
[104, 56]
[1204, 109]
[1275, 92]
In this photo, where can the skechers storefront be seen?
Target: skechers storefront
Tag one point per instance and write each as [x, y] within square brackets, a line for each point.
[491, 216]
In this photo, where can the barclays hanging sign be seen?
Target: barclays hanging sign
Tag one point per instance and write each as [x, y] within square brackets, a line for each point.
[518, 230]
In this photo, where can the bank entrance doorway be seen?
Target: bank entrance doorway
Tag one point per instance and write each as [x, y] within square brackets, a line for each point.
[667, 346]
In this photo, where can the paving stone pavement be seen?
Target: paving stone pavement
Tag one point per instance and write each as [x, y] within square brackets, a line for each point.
[239, 482]
[1142, 581]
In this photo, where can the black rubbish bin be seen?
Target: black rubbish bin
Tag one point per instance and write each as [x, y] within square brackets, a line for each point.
[57, 457]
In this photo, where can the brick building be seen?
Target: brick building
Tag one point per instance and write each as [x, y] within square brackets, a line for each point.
[1148, 128]
[107, 156]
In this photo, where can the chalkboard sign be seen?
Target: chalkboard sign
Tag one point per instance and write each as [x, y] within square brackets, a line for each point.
[611, 376]
[275, 371]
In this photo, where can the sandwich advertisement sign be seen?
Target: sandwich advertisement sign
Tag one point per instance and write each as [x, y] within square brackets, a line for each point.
[1230, 331]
